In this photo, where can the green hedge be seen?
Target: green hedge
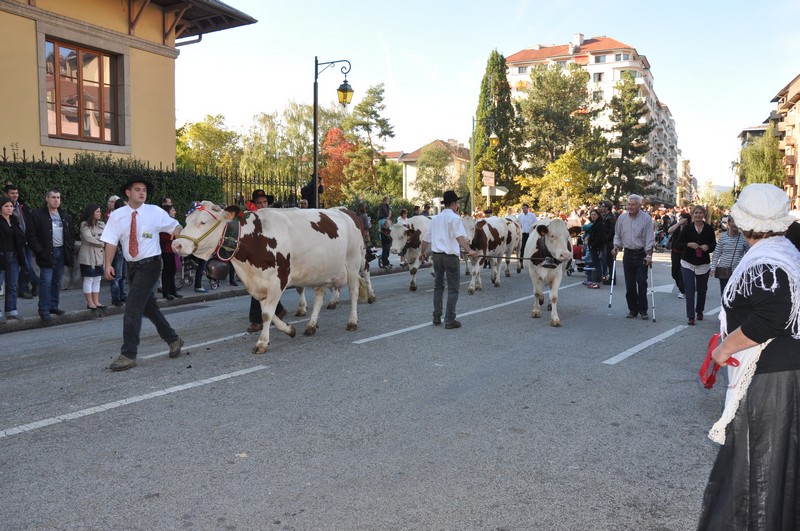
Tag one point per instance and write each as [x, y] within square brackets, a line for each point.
[90, 178]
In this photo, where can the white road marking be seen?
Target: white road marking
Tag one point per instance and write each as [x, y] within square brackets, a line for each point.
[423, 325]
[650, 342]
[124, 402]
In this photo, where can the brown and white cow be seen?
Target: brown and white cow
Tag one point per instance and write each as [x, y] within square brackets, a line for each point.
[547, 251]
[469, 227]
[281, 248]
[513, 240]
[336, 293]
[490, 242]
[408, 235]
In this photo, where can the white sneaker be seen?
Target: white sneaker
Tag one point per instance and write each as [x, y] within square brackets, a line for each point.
[680, 295]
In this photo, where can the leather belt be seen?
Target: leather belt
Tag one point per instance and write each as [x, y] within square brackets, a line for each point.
[145, 260]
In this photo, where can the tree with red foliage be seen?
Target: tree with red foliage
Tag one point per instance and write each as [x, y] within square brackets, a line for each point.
[335, 148]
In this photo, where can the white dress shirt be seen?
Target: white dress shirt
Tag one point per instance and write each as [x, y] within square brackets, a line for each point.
[443, 231]
[150, 220]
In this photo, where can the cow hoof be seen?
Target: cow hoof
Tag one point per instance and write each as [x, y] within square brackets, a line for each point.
[412, 287]
[479, 288]
[471, 291]
[496, 284]
[310, 330]
[331, 306]
[508, 273]
[258, 349]
[301, 313]
[536, 315]
[371, 299]
[555, 323]
[352, 327]
[292, 332]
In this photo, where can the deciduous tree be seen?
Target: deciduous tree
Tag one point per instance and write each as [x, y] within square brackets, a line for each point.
[761, 161]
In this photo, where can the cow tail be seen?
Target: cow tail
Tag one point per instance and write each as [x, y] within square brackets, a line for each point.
[362, 290]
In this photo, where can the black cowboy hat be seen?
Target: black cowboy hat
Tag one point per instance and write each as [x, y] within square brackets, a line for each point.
[449, 197]
[136, 179]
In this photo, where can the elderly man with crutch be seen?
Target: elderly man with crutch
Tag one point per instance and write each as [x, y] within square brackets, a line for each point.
[634, 235]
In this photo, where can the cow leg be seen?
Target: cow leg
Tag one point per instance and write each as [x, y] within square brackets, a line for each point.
[302, 307]
[538, 296]
[353, 282]
[475, 279]
[268, 306]
[554, 285]
[335, 295]
[319, 297]
[496, 271]
[370, 292]
[508, 263]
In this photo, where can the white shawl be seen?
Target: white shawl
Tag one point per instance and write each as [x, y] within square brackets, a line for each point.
[766, 255]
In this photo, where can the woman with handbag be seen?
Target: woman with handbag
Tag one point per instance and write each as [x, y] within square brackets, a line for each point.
[696, 242]
[755, 480]
[731, 247]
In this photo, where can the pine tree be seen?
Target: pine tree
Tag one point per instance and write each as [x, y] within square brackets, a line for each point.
[366, 128]
[630, 138]
[495, 114]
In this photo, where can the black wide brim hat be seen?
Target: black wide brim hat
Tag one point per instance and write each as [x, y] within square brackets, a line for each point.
[136, 179]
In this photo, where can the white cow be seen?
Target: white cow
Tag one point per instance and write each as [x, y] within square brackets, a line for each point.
[281, 248]
[408, 236]
[490, 242]
[469, 227]
[513, 240]
[548, 245]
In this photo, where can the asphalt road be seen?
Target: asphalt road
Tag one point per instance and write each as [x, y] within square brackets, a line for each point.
[506, 423]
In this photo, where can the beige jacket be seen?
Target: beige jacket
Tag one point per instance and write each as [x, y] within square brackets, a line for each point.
[91, 252]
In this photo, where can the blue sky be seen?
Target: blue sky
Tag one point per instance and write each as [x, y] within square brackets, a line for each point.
[716, 64]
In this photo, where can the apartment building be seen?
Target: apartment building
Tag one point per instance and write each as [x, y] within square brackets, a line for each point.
[606, 59]
[457, 166]
[98, 76]
[788, 130]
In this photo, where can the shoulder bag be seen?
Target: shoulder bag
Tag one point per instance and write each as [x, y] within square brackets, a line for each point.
[725, 272]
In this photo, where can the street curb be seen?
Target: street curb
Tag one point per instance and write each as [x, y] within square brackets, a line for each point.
[77, 316]
[32, 323]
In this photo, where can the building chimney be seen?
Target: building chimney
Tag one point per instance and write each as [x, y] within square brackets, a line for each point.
[577, 39]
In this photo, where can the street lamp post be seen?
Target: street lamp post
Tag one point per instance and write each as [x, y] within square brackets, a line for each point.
[345, 94]
[494, 140]
[566, 190]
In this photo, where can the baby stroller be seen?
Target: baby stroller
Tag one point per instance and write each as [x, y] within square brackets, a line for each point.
[577, 263]
[186, 273]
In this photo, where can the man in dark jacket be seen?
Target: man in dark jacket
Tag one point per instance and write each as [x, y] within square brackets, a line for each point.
[610, 222]
[309, 194]
[26, 272]
[50, 236]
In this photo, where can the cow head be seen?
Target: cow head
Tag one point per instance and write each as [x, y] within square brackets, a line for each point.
[205, 226]
[397, 232]
[556, 238]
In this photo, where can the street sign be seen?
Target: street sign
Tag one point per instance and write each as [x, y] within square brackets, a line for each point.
[488, 178]
[494, 191]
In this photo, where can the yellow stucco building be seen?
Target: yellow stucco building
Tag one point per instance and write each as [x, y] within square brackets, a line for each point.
[97, 76]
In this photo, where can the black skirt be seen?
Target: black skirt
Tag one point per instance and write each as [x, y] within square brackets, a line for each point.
[755, 481]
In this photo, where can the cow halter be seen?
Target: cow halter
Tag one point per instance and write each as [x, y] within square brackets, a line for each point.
[196, 241]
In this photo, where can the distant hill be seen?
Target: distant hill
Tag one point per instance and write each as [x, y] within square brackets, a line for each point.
[721, 188]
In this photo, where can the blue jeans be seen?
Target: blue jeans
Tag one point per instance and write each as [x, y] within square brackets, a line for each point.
[694, 284]
[50, 283]
[445, 266]
[27, 273]
[142, 279]
[11, 275]
[118, 284]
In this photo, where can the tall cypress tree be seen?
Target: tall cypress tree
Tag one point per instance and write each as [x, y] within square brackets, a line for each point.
[630, 140]
[495, 114]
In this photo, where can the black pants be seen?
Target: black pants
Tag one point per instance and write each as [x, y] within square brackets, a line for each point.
[255, 310]
[677, 275]
[525, 236]
[445, 268]
[635, 281]
[141, 302]
[168, 274]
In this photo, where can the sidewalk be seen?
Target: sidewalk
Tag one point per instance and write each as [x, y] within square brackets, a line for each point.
[74, 303]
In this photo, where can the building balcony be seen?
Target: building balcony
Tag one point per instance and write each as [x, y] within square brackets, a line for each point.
[790, 160]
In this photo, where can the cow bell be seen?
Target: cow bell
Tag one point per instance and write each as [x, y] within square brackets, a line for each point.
[549, 263]
[217, 269]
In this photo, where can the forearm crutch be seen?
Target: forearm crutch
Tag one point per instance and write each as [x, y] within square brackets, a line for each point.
[613, 277]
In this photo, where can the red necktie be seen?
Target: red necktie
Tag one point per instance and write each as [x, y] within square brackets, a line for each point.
[133, 244]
